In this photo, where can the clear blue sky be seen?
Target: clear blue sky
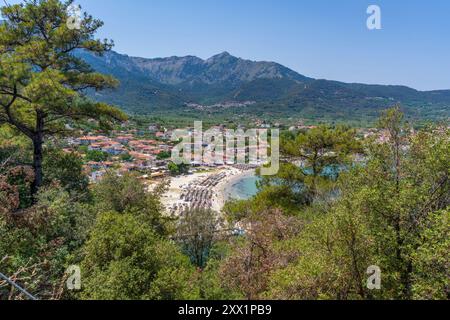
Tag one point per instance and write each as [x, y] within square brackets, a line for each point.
[318, 38]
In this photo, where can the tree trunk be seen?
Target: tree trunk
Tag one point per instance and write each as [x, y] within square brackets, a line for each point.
[38, 141]
[37, 164]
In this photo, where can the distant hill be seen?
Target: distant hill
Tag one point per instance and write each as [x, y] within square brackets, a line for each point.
[174, 84]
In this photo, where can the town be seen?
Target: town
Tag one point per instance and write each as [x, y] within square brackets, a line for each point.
[149, 151]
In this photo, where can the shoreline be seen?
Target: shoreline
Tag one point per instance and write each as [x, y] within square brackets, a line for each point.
[174, 198]
[225, 188]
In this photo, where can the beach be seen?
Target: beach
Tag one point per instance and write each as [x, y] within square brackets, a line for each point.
[204, 190]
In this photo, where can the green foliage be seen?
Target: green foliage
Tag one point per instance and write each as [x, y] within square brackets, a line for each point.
[125, 259]
[323, 147]
[313, 162]
[127, 194]
[390, 211]
[38, 245]
[288, 189]
[307, 234]
[197, 231]
[96, 155]
[15, 187]
[178, 169]
[237, 210]
[431, 270]
[11, 141]
[42, 82]
[393, 213]
[212, 286]
[83, 149]
[67, 169]
[164, 155]
[126, 157]
[255, 256]
[331, 257]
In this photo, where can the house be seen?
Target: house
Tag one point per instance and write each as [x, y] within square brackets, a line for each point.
[95, 147]
[114, 150]
[162, 135]
[96, 176]
[89, 140]
[124, 139]
[154, 128]
[164, 147]
[141, 160]
[99, 165]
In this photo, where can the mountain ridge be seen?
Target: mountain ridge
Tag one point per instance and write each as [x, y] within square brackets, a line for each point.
[156, 84]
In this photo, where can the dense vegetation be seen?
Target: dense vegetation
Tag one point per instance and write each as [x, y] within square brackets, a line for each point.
[311, 232]
[308, 234]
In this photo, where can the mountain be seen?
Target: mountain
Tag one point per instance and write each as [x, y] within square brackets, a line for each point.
[176, 84]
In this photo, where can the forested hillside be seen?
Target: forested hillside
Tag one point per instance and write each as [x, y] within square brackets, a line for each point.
[167, 85]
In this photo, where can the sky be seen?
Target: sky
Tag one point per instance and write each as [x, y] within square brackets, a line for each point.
[325, 39]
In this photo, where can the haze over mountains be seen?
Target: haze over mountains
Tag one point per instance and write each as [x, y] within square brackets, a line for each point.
[178, 84]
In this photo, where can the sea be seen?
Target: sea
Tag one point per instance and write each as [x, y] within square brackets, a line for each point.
[242, 188]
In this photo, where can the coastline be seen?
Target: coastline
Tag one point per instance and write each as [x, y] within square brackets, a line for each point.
[226, 188]
[220, 193]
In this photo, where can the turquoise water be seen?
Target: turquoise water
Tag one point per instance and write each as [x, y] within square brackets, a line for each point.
[243, 189]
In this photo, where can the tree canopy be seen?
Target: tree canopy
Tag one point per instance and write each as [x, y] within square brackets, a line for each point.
[42, 82]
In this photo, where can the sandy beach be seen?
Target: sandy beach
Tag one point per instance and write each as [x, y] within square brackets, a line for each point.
[205, 189]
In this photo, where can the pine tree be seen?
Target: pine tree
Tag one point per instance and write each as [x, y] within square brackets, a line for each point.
[42, 82]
